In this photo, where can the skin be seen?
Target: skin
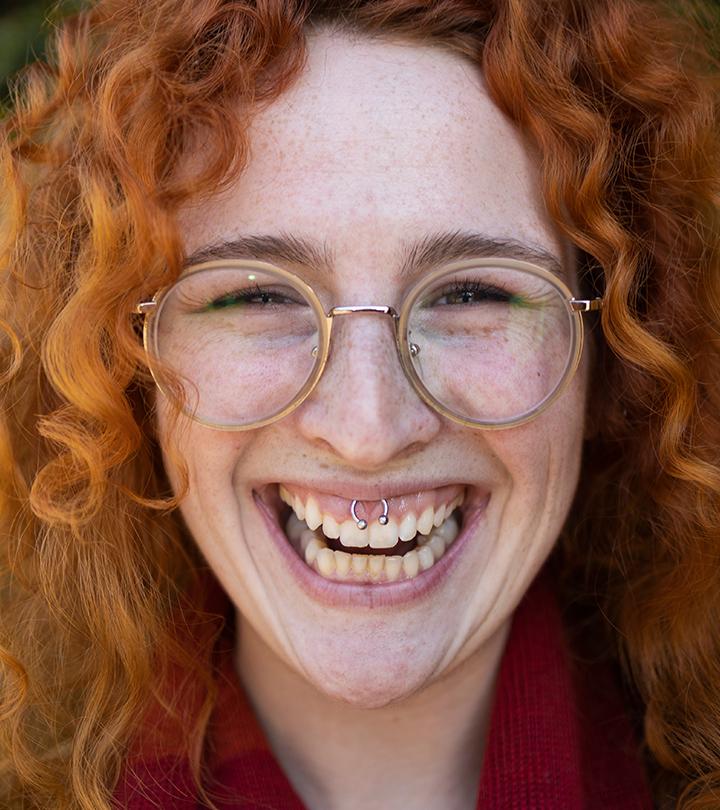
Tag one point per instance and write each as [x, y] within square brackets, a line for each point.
[377, 144]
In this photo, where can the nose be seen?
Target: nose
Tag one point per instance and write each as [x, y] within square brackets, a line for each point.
[364, 407]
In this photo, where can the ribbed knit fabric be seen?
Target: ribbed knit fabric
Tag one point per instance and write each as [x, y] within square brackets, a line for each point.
[558, 739]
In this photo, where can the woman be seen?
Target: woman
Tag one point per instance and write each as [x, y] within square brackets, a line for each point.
[422, 435]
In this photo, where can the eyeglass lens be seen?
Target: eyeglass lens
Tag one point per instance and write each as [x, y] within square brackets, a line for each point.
[489, 343]
[241, 343]
[492, 342]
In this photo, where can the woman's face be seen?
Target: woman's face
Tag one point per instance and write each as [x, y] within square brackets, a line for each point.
[378, 146]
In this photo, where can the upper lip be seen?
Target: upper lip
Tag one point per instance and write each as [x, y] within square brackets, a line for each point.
[370, 491]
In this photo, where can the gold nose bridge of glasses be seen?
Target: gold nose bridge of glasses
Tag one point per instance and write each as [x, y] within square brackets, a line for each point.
[362, 308]
[380, 310]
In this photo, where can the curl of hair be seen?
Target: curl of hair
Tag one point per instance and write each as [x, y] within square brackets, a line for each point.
[619, 97]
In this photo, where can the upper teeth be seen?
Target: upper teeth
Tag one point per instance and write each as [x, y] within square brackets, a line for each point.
[376, 535]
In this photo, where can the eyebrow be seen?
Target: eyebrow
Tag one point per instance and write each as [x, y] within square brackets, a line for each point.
[430, 251]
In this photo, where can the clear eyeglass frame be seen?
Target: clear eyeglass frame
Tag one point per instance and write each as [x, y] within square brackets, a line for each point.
[576, 307]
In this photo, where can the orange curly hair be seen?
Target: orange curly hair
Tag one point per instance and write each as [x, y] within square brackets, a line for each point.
[620, 97]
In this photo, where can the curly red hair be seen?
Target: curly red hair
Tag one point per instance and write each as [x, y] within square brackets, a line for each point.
[620, 99]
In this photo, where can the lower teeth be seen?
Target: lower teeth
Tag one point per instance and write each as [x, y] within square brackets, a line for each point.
[343, 565]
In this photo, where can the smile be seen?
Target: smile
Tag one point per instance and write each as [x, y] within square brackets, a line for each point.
[422, 528]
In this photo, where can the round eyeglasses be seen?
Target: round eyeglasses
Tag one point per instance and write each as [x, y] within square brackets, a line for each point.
[489, 342]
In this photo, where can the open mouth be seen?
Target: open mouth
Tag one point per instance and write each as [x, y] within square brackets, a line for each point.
[419, 530]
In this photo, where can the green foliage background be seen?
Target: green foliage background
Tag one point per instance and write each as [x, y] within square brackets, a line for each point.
[24, 25]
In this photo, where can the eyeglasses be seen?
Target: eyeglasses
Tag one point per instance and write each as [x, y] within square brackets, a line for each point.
[489, 342]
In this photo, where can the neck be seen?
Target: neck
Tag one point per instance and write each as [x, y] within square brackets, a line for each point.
[339, 756]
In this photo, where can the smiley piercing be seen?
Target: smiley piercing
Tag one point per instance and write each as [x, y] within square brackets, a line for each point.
[362, 524]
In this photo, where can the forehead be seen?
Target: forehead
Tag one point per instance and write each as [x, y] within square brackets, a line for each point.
[378, 144]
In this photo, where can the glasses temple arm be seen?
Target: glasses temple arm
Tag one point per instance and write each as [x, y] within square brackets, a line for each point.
[586, 305]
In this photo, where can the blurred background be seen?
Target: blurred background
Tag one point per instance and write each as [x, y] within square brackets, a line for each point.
[24, 24]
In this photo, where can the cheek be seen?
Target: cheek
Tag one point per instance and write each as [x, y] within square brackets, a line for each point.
[543, 457]
[199, 462]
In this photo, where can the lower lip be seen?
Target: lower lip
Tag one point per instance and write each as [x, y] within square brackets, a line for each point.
[368, 595]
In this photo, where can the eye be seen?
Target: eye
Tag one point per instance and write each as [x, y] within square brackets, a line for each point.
[255, 297]
[472, 292]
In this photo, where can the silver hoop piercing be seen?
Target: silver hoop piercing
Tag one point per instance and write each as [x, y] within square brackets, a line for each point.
[362, 524]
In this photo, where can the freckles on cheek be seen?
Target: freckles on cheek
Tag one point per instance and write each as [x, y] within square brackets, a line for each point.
[543, 461]
[192, 454]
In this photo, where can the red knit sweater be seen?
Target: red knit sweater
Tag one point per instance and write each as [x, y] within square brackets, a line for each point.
[559, 739]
